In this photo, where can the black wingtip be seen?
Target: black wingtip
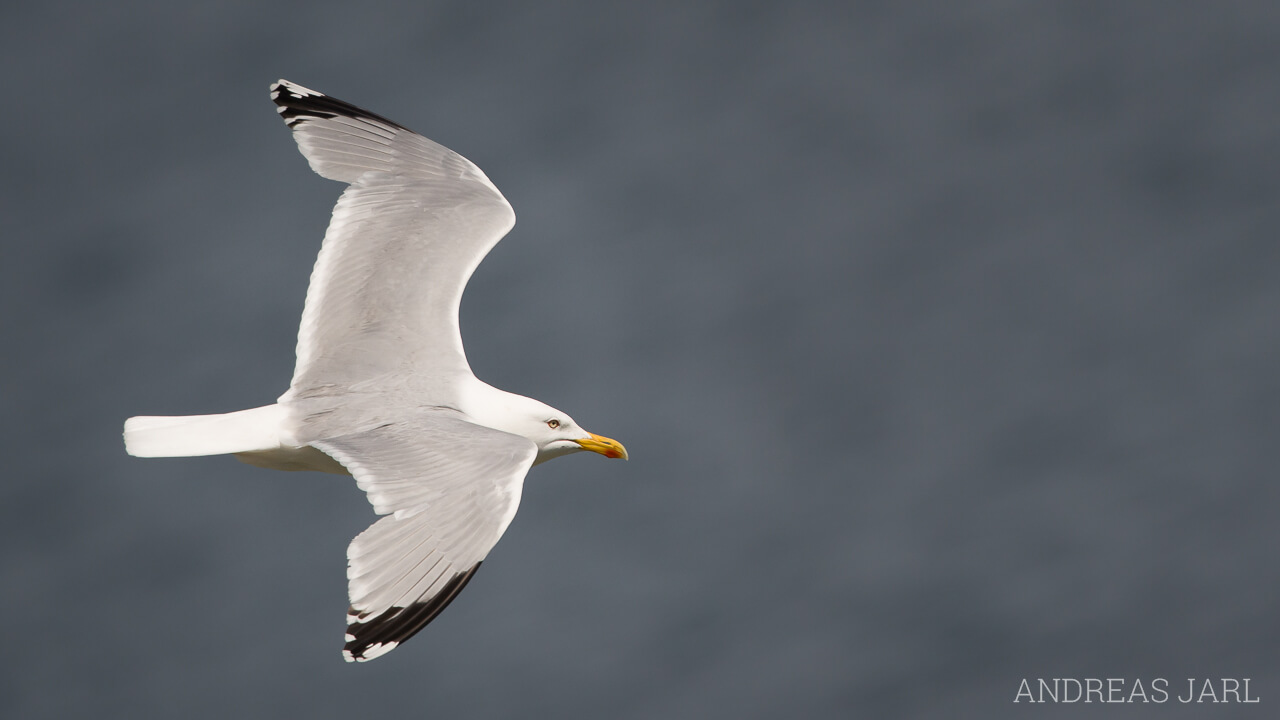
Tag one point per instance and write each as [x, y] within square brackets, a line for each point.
[370, 637]
[297, 104]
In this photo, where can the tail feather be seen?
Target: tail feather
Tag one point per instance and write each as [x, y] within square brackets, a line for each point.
[189, 435]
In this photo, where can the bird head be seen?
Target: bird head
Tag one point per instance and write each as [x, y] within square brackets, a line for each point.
[556, 434]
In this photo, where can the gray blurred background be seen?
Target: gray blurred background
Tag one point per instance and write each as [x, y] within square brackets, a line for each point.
[944, 337]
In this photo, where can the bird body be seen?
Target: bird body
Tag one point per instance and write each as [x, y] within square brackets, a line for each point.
[382, 389]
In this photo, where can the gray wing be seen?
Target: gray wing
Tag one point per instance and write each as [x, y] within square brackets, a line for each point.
[404, 239]
[449, 489]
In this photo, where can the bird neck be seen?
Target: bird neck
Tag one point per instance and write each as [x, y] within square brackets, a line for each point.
[491, 407]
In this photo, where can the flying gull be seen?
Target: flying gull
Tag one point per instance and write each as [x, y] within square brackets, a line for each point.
[382, 389]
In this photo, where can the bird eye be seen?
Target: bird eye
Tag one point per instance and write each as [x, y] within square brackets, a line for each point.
[553, 423]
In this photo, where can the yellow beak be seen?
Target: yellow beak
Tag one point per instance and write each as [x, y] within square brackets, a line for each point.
[605, 446]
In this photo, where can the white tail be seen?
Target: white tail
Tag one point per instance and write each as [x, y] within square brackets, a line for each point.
[187, 435]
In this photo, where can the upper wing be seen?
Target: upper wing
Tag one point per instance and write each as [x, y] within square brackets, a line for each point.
[403, 241]
[449, 488]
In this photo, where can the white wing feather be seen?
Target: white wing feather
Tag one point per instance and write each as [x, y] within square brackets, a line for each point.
[380, 325]
[404, 239]
[450, 489]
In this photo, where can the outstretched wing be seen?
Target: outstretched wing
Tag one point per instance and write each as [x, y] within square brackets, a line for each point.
[403, 241]
[449, 489]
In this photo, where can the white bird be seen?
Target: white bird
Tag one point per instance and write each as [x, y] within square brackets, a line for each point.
[382, 389]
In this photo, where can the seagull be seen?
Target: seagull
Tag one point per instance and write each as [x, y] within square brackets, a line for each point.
[382, 389]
